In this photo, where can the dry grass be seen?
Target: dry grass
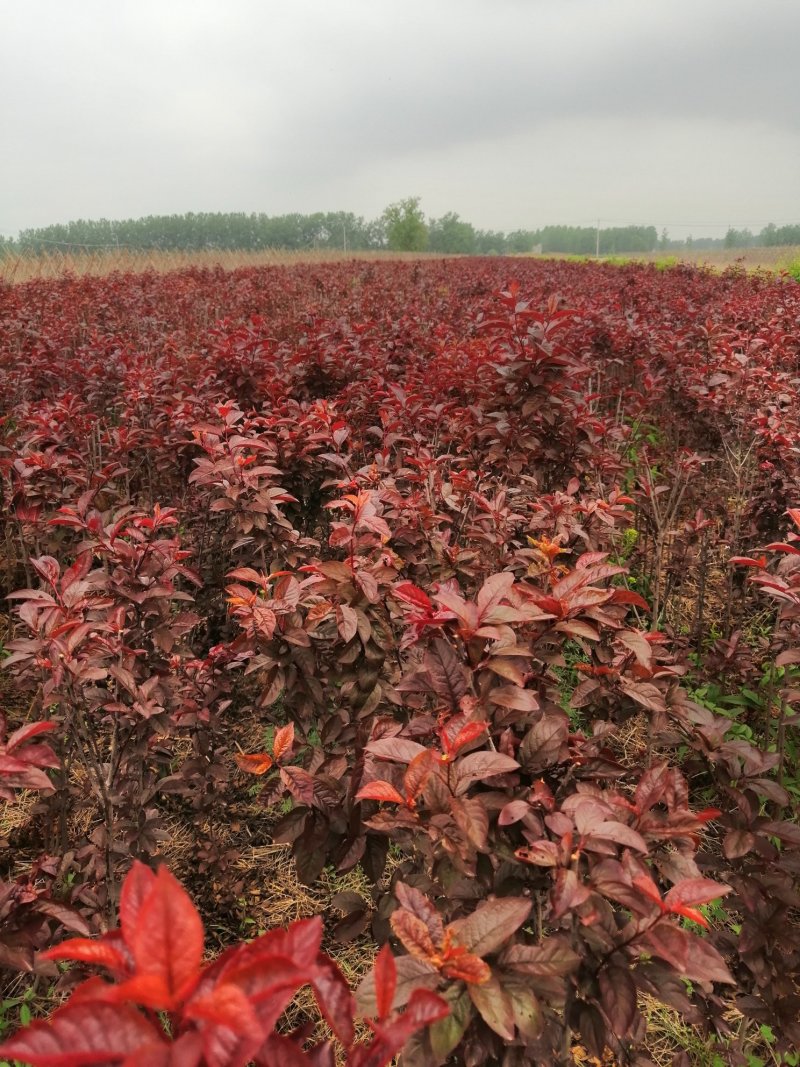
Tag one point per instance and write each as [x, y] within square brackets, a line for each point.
[275, 897]
[667, 1034]
[28, 266]
[16, 814]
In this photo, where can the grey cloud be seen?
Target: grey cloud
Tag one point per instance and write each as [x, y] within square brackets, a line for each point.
[129, 108]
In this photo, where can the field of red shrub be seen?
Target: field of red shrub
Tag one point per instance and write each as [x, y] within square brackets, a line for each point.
[482, 566]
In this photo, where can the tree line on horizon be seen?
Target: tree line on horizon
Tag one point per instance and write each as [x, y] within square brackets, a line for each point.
[402, 226]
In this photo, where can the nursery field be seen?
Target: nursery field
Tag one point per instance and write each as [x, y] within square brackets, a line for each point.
[400, 659]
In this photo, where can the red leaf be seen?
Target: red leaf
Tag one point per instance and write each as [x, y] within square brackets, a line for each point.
[283, 1051]
[704, 963]
[347, 622]
[299, 783]
[167, 942]
[618, 998]
[695, 891]
[637, 643]
[511, 696]
[227, 1005]
[737, 843]
[25, 733]
[247, 574]
[68, 916]
[187, 1051]
[412, 594]
[88, 950]
[385, 981]
[670, 943]
[137, 885]
[690, 913]
[411, 974]
[448, 674]
[512, 812]
[551, 958]
[399, 749]
[83, 1033]
[478, 766]
[539, 853]
[424, 1008]
[708, 814]
[627, 596]
[47, 568]
[652, 786]
[568, 893]
[494, 1006]
[545, 743]
[333, 995]
[491, 924]
[648, 888]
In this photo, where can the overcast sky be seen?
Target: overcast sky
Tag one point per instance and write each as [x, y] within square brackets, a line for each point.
[514, 113]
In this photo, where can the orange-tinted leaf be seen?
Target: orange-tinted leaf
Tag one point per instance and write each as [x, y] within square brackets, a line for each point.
[253, 762]
[690, 913]
[382, 791]
[467, 734]
[418, 904]
[417, 774]
[284, 739]
[414, 934]
[468, 968]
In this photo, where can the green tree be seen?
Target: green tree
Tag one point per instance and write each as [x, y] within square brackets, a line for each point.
[406, 230]
[522, 241]
[451, 235]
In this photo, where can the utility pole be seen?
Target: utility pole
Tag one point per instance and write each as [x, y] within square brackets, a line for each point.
[597, 241]
[344, 236]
